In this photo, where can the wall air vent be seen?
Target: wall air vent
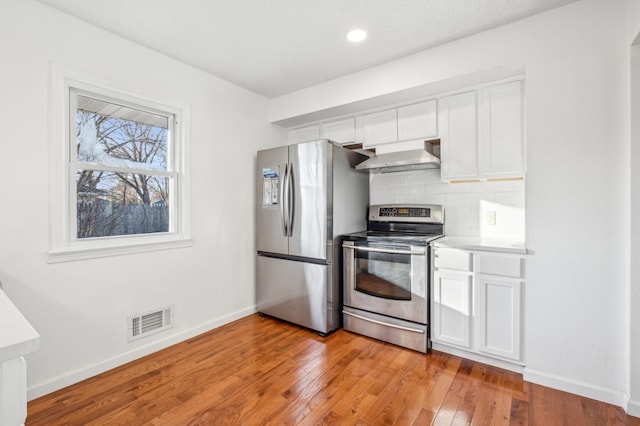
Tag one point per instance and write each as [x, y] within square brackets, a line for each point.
[142, 325]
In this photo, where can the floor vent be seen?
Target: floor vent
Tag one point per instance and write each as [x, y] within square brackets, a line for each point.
[149, 323]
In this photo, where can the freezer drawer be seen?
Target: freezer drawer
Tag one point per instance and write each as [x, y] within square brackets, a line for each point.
[298, 292]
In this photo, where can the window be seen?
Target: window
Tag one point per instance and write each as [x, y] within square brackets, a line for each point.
[122, 183]
[123, 177]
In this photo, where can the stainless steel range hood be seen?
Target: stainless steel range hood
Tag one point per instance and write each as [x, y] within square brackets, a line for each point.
[415, 159]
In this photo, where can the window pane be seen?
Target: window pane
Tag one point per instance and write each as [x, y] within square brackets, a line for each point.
[112, 204]
[120, 136]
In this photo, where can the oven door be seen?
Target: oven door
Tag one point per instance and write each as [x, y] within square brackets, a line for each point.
[387, 279]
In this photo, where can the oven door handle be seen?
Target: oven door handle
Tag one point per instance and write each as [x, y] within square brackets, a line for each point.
[385, 250]
[400, 327]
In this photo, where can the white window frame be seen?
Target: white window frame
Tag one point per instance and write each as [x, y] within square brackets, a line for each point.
[63, 243]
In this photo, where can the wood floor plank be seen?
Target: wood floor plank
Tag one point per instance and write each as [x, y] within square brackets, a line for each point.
[352, 403]
[261, 371]
[474, 374]
[329, 396]
[519, 412]
[418, 387]
[312, 388]
[392, 399]
[443, 375]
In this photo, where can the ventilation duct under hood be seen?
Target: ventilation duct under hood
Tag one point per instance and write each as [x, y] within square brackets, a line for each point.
[415, 159]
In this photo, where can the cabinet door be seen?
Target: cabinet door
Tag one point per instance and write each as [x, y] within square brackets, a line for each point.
[342, 131]
[452, 308]
[13, 391]
[499, 311]
[418, 121]
[501, 140]
[380, 127]
[457, 126]
[304, 134]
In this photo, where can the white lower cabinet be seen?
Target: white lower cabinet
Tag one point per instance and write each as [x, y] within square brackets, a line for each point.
[13, 391]
[452, 307]
[474, 310]
[499, 315]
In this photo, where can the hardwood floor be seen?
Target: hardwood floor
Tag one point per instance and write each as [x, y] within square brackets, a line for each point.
[259, 371]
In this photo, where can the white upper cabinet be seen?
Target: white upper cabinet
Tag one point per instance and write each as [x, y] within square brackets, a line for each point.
[482, 133]
[418, 121]
[501, 146]
[457, 123]
[411, 122]
[380, 127]
[341, 131]
[304, 134]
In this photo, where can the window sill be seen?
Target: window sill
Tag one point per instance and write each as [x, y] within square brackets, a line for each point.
[70, 255]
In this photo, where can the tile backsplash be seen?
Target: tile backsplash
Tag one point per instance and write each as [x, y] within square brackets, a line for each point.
[475, 209]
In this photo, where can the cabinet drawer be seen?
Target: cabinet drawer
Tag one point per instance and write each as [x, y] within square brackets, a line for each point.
[453, 259]
[505, 266]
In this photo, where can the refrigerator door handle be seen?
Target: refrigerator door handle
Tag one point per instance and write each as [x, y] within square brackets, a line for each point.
[291, 199]
[283, 207]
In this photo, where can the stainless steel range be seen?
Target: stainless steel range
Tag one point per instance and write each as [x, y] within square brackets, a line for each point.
[386, 274]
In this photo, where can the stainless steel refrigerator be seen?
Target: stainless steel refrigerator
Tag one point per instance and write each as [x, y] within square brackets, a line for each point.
[308, 195]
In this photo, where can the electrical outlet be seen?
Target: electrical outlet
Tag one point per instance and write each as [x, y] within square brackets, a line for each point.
[491, 217]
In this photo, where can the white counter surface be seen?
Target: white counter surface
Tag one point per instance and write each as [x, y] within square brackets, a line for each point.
[17, 336]
[481, 244]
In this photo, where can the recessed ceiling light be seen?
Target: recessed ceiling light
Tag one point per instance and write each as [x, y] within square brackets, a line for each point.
[355, 36]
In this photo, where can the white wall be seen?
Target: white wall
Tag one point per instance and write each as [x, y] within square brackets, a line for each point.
[80, 308]
[576, 61]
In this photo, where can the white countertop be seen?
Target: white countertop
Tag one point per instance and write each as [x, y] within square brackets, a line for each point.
[482, 244]
[17, 336]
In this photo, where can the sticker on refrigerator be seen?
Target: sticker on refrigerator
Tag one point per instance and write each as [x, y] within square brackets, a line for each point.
[269, 187]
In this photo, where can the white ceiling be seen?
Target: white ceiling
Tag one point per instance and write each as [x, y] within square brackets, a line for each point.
[275, 47]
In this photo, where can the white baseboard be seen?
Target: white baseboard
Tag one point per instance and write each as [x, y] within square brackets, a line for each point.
[633, 408]
[576, 387]
[70, 378]
[505, 365]
[588, 390]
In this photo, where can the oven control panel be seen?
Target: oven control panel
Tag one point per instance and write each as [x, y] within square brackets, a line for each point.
[405, 212]
[427, 213]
